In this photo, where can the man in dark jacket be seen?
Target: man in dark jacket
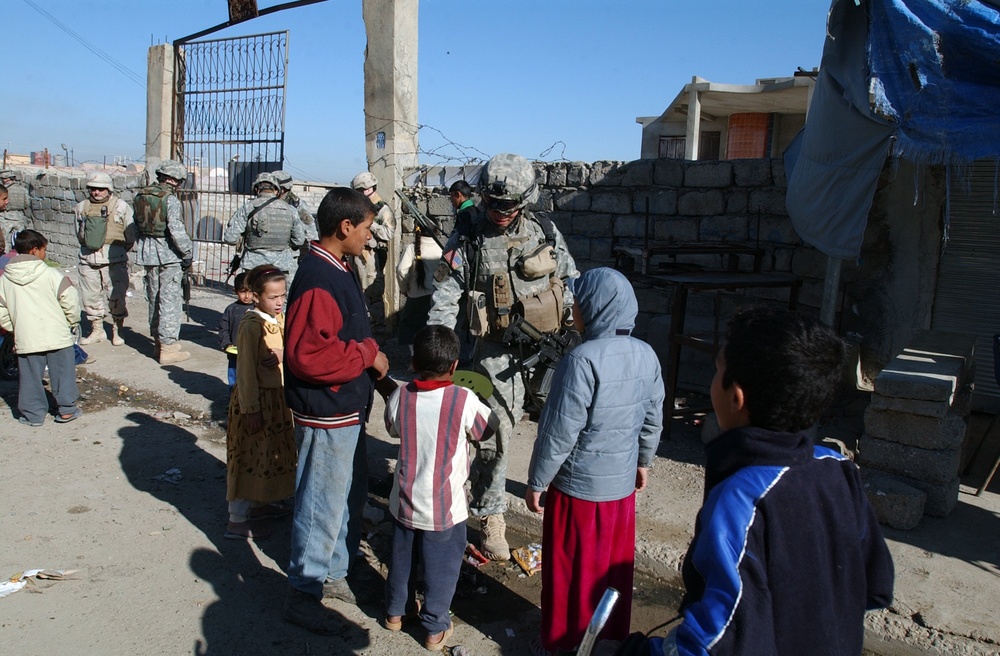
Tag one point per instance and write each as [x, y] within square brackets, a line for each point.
[787, 554]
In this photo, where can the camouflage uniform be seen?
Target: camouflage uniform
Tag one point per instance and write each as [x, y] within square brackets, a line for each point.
[285, 182]
[17, 216]
[161, 257]
[274, 236]
[104, 272]
[497, 253]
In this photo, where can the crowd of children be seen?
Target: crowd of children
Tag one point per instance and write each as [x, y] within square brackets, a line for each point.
[787, 555]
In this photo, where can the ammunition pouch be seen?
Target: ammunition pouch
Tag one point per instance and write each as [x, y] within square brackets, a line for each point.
[478, 322]
[539, 262]
[544, 310]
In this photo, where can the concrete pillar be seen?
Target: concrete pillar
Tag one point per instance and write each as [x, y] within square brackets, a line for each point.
[391, 111]
[693, 134]
[159, 104]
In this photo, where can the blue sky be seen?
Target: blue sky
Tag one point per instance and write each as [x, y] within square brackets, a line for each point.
[548, 79]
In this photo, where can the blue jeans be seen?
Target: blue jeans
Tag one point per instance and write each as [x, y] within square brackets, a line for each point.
[331, 485]
[438, 555]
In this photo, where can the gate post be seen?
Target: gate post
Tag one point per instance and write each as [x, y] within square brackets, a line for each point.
[391, 111]
[159, 104]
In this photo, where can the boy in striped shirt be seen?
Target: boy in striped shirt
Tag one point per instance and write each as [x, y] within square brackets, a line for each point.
[434, 421]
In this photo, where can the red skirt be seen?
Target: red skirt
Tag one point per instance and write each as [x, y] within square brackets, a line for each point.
[587, 547]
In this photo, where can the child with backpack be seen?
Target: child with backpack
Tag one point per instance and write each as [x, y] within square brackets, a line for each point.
[260, 439]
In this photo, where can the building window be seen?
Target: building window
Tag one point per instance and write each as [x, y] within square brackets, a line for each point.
[674, 147]
[708, 147]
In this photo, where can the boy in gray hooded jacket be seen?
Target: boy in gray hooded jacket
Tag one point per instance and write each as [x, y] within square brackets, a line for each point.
[597, 436]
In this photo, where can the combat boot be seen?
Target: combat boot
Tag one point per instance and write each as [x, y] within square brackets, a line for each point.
[96, 333]
[493, 531]
[116, 332]
[172, 353]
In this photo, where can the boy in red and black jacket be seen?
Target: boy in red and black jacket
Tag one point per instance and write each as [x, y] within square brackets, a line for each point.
[331, 363]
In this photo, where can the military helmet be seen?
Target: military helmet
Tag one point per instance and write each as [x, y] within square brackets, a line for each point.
[99, 180]
[283, 178]
[7, 173]
[507, 183]
[171, 168]
[364, 180]
[265, 177]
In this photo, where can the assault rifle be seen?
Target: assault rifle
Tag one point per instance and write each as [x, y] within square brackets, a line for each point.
[547, 349]
[426, 224]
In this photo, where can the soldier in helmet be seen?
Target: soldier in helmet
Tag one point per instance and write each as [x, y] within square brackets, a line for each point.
[383, 248]
[285, 193]
[270, 228]
[505, 259]
[17, 216]
[165, 251]
[106, 233]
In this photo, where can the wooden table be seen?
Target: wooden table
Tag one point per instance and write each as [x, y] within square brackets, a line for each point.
[682, 284]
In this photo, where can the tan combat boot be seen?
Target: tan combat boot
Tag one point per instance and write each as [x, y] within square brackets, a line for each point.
[96, 333]
[116, 332]
[172, 353]
[493, 531]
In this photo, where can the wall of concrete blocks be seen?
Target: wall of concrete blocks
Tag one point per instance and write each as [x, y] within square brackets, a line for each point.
[915, 426]
[54, 193]
[887, 292]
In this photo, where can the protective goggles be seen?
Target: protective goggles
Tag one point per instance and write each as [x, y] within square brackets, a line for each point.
[501, 205]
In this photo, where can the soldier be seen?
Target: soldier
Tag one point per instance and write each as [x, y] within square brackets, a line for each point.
[106, 233]
[270, 228]
[382, 254]
[507, 260]
[164, 251]
[285, 193]
[17, 216]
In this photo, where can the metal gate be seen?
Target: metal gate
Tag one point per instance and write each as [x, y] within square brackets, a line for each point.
[228, 126]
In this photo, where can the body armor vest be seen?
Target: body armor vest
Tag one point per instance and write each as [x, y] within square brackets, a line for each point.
[270, 227]
[99, 224]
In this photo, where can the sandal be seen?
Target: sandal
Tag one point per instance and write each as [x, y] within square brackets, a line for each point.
[398, 624]
[65, 419]
[243, 531]
[438, 645]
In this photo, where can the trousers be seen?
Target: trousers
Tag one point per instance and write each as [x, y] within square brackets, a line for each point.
[103, 289]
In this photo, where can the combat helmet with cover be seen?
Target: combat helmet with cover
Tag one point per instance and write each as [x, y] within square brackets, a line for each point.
[151, 202]
[507, 183]
[284, 179]
[265, 177]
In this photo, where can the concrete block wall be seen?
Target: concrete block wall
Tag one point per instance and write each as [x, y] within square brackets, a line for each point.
[593, 204]
[54, 193]
[915, 428]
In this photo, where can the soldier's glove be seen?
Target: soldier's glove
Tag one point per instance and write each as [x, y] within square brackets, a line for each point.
[186, 264]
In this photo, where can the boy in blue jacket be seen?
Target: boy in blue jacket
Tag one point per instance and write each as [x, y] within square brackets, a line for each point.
[787, 554]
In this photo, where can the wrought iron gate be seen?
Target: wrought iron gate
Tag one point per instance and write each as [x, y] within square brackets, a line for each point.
[228, 126]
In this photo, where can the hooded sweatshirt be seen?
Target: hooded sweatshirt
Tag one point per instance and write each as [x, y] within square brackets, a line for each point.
[604, 415]
[39, 304]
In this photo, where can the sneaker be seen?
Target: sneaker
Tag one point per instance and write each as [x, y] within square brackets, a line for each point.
[435, 642]
[338, 589]
[493, 532]
[305, 610]
[24, 420]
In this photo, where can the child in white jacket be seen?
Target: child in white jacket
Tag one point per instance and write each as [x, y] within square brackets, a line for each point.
[41, 307]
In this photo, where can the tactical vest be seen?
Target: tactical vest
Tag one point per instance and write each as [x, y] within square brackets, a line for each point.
[151, 210]
[270, 227]
[17, 198]
[100, 224]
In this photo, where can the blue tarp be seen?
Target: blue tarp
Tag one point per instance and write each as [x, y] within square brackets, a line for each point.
[937, 64]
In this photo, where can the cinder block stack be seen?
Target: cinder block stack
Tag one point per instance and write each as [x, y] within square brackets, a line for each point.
[915, 426]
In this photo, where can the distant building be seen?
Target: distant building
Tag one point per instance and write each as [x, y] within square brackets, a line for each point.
[708, 120]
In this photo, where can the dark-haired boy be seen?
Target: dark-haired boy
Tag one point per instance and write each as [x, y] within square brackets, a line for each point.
[42, 308]
[787, 554]
[331, 363]
[229, 323]
[434, 421]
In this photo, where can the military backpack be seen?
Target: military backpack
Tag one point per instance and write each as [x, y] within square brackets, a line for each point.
[151, 210]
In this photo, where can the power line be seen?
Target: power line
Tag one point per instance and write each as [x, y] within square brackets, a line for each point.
[121, 68]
